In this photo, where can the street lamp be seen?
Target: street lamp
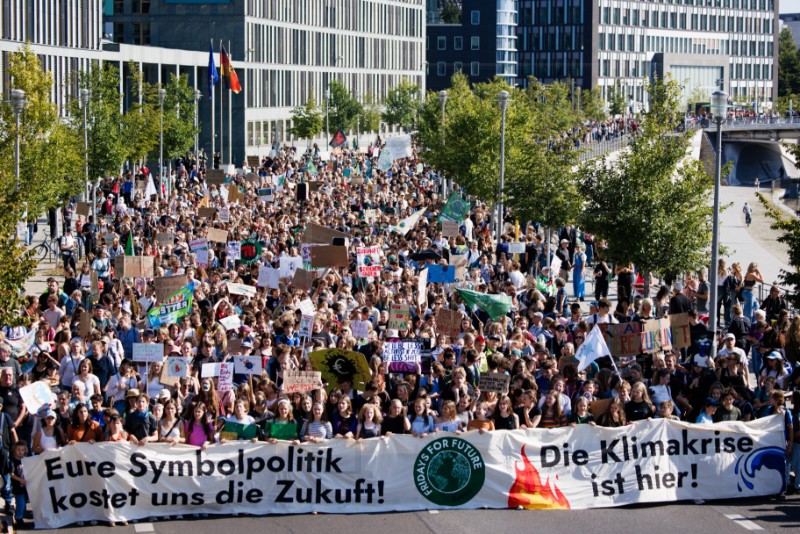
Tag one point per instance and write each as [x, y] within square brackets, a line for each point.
[357, 96]
[18, 105]
[85, 94]
[719, 109]
[162, 95]
[503, 100]
[197, 96]
[327, 127]
[443, 102]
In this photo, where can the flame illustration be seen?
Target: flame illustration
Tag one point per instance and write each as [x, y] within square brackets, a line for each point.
[529, 492]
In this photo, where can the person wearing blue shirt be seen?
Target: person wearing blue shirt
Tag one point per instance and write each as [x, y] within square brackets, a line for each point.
[289, 336]
[707, 415]
[127, 335]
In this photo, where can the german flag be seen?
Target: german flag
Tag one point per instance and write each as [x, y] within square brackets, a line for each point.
[226, 71]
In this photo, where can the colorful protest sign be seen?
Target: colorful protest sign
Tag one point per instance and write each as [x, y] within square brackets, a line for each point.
[200, 248]
[369, 261]
[301, 381]
[337, 366]
[681, 331]
[656, 336]
[566, 468]
[176, 367]
[247, 365]
[441, 274]
[225, 377]
[20, 347]
[173, 308]
[497, 382]
[290, 264]
[456, 209]
[234, 250]
[266, 194]
[305, 252]
[306, 322]
[399, 316]
[148, 352]
[404, 355]
[250, 251]
[448, 322]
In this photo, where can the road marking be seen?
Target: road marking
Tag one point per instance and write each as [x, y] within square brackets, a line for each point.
[144, 527]
[743, 522]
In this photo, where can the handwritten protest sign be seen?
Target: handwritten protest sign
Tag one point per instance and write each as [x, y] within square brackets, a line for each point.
[290, 264]
[449, 228]
[134, 266]
[360, 329]
[200, 248]
[459, 261]
[404, 355]
[148, 352]
[241, 289]
[306, 322]
[448, 322]
[231, 322]
[681, 331]
[37, 395]
[176, 367]
[234, 250]
[268, 277]
[399, 316]
[216, 235]
[494, 382]
[369, 261]
[165, 239]
[224, 215]
[307, 306]
[225, 381]
[329, 256]
[301, 381]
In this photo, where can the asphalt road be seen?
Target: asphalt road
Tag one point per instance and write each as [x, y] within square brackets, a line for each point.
[729, 516]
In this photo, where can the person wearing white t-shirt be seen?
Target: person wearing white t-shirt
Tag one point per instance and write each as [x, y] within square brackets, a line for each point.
[603, 315]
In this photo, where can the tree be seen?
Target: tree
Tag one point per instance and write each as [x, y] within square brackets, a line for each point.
[790, 235]
[179, 130]
[401, 106]
[140, 124]
[592, 105]
[307, 120]
[450, 13]
[107, 146]
[616, 101]
[788, 64]
[342, 108]
[652, 204]
[370, 117]
[51, 169]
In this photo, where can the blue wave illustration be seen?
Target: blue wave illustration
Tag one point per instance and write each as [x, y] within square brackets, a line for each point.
[772, 458]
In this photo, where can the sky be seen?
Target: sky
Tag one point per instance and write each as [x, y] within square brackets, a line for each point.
[790, 6]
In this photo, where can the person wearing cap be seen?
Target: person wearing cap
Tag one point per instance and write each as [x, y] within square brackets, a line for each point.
[679, 302]
[731, 352]
[50, 435]
[707, 415]
[565, 255]
[773, 366]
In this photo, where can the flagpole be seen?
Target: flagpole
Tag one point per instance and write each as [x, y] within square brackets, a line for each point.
[230, 103]
[221, 108]
[213, 126]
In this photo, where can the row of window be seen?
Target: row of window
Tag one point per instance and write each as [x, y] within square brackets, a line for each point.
[458, 42]
[48, 23]
[672, 45]
[674, 20]
[625, 68]
[458, 66]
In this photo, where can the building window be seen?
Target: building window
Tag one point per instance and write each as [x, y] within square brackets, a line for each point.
[458, 66]
[458, 42]
[475, 17]
[141, 33]
[441, 43]
[119, 7]
[441, 68]
[474, 68]
[119, 32]
[141, 6]
[475, 42]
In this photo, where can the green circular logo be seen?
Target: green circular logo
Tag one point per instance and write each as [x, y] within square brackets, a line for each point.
[449, 471]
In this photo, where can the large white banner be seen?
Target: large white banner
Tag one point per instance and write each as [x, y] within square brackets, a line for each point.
[580, 467]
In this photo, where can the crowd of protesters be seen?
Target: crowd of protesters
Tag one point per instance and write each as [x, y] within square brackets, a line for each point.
[102, 395]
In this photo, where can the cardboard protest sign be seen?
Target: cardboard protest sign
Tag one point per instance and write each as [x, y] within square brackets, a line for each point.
[622, 339]
[656, 336]
[303, 279]
[369, 261]
[404, 355]
[234, 249]
[207, 213]
[224, 215]
[441, 274]
[329, 256]
[450, 228]
[301, 381]
[165, 239]
[268, 277]
[167, 285]
[399, 316]
[85, 326]
[448, 322]
[253, 162]
[247, 365]
[241, 289]
[337, 366]
[215, 176]
[216, 235]
[360, 329]
[235, 195]
[235, 345]
[82, 209]
[148, 352]
[315, 233]
[200, 248]
[134, 266]
[252, 177]
[176, 367]
[306, 323]
[679, 323]
[290, 264]
[494, 382]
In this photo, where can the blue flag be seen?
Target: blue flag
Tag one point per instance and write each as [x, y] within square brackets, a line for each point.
[213, 75]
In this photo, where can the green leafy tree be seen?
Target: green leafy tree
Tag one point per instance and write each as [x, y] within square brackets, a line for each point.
[106, 144]
[789, 227]
[370, 117]
[616, 101]
[343, 108]
[788, 64]
[592, 105]
[51, 169]
[179, 130]
[140, 124]
[401, 106]
[651, 204]
[307, 120]
[450, 12]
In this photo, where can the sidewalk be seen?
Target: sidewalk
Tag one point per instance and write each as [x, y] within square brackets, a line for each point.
[37, 284]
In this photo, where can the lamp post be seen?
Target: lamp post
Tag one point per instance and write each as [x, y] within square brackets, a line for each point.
[719, 109]
[357, 96]
[327, 127]
[18, 105]
[197, 96]
[85, 94]
[162, 95]
[503, 100]
[443, 102]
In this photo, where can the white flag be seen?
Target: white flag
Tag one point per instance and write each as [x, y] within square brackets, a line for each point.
[408, 224]
[593, 347]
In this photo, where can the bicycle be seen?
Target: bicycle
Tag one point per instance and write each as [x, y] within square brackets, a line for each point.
[47, 249]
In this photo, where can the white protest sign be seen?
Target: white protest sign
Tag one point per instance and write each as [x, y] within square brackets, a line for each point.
[247, 365]
[306, 322]
[176, 367]
[497, 382]
[360, 329]
[268, 277]
[209, 370]
[408, 352]
[224, 214]
[289, 264]
[516, 248]
[307, 307]
[234, 250]
[369, 261]
[225, 382]
[200, 248]
[399, 146]
[148, 352]
[231, 322]
[555, 265]
[36, 395]
[241, 289]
